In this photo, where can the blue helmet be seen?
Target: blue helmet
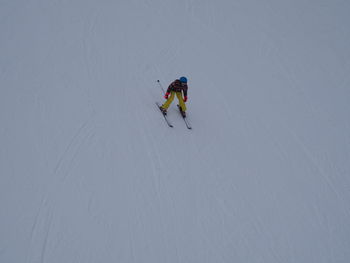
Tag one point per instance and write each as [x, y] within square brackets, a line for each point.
[183, 79]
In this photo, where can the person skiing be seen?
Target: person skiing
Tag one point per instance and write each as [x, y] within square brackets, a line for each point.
[177, 87]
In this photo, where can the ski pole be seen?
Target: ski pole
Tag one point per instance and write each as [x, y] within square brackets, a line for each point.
[160, 85]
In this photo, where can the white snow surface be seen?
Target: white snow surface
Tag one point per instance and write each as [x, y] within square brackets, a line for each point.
[90, 172]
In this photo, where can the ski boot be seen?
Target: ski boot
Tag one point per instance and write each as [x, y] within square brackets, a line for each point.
[182, 112]
[163, 110]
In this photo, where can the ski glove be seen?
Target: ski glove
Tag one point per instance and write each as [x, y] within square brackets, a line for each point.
[185, 98]
[166, 96]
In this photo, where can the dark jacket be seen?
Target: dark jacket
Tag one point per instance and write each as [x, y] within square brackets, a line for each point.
[178, 86]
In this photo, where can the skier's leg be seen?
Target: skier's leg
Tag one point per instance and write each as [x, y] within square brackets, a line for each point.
[181, 101]
[169, 101]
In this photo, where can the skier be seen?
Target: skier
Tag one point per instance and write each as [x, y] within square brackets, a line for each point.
[177, 87]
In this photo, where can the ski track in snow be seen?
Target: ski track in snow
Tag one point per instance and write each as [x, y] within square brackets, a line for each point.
[66, 161]
[90, 171]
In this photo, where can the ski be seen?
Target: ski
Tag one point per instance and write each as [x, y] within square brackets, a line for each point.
[164, 115]
[184, 118]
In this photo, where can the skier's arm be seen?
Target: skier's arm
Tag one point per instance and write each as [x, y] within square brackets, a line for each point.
[184, 90]
[166, 96]
[171, 87]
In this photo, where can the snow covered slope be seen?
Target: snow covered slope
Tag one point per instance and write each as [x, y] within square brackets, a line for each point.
[89, 171]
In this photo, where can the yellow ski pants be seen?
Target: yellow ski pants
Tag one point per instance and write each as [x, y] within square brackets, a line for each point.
[171, 98]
